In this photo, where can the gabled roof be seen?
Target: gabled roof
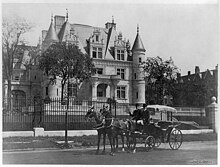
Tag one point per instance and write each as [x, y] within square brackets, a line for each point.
[108, 38]
[112, 34]
[198, 76]
[207, 74]
[84, 32]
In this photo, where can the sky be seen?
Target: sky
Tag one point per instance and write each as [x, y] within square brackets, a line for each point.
[187, 31]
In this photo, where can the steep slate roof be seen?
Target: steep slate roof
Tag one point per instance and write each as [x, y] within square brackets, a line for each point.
[111, 36]
[138, 44]
[64, 31]
[86, 31]
[51, 34]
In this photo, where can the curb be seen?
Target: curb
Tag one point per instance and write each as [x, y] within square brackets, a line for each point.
[82, 132]
[49, 133]
[50, 149]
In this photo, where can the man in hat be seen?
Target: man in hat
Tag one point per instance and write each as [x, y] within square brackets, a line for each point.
[137, 113]
[146, 115]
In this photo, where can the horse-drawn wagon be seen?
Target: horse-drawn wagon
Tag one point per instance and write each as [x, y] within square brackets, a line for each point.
[161, 129]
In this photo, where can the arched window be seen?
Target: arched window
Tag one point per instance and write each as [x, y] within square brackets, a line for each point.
[18, 99]
[101, 90]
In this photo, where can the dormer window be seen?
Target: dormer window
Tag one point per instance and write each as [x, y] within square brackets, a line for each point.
[97, 38]
[120, 55]
[97, 52]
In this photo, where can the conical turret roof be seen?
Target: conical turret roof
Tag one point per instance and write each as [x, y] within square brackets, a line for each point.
[65, 30]
[51, 34]
[138, 45]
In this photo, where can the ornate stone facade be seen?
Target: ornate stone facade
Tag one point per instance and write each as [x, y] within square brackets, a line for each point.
[118, 73]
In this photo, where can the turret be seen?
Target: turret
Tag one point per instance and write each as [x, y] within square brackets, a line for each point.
[51, 36]
[138, 54]
[64, 33]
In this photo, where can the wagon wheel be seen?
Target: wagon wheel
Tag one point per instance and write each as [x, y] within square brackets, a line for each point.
[175, 139]
[157, 142]
[149, 143]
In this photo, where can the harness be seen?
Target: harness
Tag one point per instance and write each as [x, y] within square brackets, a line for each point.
[111, 124]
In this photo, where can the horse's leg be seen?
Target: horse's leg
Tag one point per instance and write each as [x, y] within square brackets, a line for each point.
[99, 136]
[134, 140]
[104, 137]
[128, 142]
[114, 144]
[110, 141]
[116, 141]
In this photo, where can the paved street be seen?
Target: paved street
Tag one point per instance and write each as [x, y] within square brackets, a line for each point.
[190, 153]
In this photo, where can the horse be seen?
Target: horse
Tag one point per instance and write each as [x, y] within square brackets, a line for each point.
[116, 127]
[101, 131]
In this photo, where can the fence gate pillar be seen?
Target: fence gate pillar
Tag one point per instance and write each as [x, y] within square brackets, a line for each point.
[38, 109]
[212, 114]
[38, 131]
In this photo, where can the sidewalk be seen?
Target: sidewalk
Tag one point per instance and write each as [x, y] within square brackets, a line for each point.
[82, 141]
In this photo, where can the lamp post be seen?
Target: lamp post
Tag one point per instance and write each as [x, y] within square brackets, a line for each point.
[67, 108]
[114, 102]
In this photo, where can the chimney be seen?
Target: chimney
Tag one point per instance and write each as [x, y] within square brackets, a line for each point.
[58, 22]
[189, 73]
[197, 70]
[109, 25]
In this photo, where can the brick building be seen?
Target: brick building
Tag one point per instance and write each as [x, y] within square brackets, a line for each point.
[196, 89]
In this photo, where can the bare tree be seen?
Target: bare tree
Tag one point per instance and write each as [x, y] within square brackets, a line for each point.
[12, 31]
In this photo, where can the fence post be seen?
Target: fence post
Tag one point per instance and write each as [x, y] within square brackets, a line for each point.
[38, 130]
[212, 114]
[33, 121]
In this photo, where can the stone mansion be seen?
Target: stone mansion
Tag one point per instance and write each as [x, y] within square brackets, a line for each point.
[118, 75]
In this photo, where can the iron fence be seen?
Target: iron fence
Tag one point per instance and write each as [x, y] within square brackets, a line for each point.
[32, 112]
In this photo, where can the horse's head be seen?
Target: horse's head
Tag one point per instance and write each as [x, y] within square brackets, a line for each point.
[90, 113]
[131, 125]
